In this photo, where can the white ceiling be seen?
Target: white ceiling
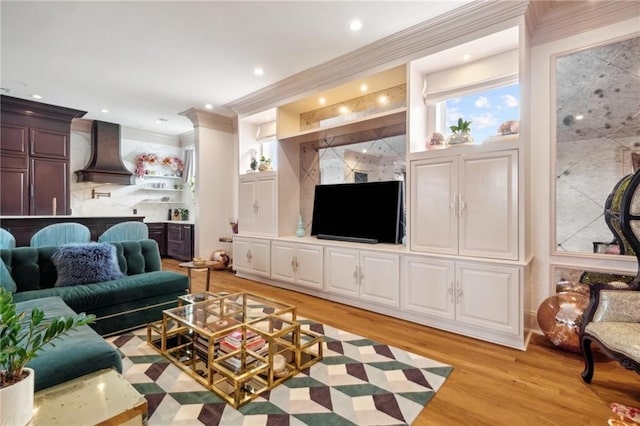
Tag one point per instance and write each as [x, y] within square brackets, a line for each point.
[148, 60]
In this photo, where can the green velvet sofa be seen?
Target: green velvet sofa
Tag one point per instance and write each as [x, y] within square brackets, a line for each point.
[130, 302]
[80, 352]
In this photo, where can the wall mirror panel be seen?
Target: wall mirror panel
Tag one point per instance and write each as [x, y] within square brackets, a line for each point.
[597, 139]
[348, 160]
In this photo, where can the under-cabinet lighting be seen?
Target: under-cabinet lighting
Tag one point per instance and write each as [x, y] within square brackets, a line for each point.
[383, 99]
[343, 109]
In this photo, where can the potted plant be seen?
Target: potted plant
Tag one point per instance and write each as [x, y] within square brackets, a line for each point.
[460, 132]
[21, 338]
[265, 164]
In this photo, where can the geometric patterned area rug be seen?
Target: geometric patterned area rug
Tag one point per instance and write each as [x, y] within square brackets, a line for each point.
[358, 382]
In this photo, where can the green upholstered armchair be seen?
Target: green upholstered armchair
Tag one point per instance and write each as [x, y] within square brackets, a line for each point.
[7, 241]
[125, 231]
[61, 233]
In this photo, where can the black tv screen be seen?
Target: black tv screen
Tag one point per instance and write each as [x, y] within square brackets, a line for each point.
[371, 212]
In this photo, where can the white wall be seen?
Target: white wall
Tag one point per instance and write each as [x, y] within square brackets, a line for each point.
[542, 163]
[124, 198]
[216, 176]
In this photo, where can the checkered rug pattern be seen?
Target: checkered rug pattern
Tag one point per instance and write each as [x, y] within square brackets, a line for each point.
[358, 382]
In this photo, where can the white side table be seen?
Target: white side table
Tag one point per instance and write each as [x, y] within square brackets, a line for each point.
[100, 398]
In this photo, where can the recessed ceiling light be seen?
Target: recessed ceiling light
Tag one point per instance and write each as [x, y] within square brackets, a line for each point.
[36, 96]
[579, 117]
[322, 101]
[364, 88]
[466, 57]
[258, 71]
[343, 109]
[355, 25]
[364, 151]
[104, 110]
[208, 106]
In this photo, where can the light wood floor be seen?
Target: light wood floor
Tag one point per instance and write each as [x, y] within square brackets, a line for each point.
[490, 384]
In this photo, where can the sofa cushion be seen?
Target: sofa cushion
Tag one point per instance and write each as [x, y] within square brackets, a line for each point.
[85, 263]
[6, 281]
[80, 352]
[31, 267]
[138, 257]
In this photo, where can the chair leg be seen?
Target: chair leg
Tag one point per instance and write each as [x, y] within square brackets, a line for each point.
[587, 374]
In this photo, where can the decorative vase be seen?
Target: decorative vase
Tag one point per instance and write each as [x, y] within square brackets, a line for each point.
[459, 138]
[300, 231]
[254, 164]
[17, 401]
[560, 316]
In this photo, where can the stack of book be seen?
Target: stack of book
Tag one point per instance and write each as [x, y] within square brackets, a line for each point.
[202, 342]
[233, 342]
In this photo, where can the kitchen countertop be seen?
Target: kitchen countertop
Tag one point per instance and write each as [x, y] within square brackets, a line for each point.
[186, 222]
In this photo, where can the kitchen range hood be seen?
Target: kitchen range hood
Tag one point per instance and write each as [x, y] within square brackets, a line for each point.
[105, 165]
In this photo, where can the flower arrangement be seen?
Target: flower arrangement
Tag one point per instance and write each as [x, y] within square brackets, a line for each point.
[176, 163]
[149, 158]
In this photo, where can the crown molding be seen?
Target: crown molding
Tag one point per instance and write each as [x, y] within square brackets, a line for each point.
[211, 120]
[553, 20]
[427, 37]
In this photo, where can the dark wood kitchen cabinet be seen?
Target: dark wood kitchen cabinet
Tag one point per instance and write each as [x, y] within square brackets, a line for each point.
[34, 157]
[158, 232]
[180, 241]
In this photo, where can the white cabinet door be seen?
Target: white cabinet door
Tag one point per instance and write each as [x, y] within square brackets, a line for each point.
[246, 208]
[252, 256]
[434, 224]
[428, 287]
[309, 265]
[260, 255]
[341, 271]
[283, 261]
[257, 204]
[466, 205]
[241, 256]
[488, 205]
[266, 215]
[379, 275]
[488, 296]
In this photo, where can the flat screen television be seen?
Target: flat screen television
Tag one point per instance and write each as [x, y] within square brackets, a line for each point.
[370, 212]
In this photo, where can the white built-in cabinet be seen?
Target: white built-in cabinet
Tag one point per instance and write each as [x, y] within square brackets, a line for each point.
[257, 204]
[252, 256]
[466, 205]
[367, 275]
[297, 263]
[478, 295]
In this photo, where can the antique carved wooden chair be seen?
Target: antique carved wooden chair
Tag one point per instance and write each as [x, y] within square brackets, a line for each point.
[612, 319]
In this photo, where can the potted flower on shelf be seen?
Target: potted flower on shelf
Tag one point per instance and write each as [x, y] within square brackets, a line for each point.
[460, 133]
[265, 164]
[181, 214]
[21, 339]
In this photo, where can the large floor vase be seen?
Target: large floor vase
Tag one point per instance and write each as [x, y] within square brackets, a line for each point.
[17, 401]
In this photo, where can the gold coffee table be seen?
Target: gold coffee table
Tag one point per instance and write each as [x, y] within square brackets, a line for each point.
[237, 345]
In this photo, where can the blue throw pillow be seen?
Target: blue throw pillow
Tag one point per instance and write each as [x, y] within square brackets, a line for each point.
[85, 264]
[6, 280]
